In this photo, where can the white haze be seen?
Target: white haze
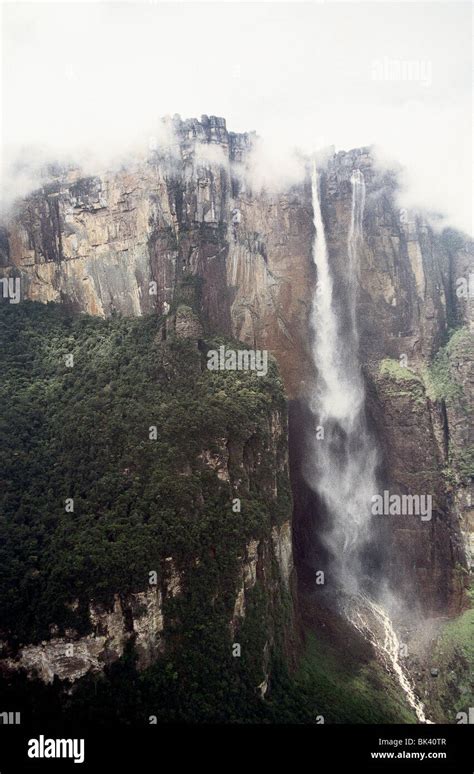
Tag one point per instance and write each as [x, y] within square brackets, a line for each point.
[89, 82]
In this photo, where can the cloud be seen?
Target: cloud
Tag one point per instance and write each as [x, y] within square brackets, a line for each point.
[210, 154]
[88, 82]
[273, 166]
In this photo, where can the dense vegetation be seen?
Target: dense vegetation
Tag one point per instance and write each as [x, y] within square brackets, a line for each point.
[444, 383]
[82, 432]
[453, 655]
[201, 684]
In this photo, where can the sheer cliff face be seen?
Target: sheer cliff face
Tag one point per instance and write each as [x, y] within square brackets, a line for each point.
[409, 281]
[123, 240]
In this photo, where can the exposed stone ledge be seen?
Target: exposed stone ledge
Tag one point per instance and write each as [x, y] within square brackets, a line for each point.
[71, 657]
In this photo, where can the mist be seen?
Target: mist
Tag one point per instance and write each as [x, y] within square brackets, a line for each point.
[88, 83]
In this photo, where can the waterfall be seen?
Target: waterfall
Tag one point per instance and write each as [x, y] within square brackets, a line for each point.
[373, 622]
[354, 240]
[343, 466]
[340, 393]
[345, 459]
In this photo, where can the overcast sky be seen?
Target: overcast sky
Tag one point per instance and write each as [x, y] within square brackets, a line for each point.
[81, 76]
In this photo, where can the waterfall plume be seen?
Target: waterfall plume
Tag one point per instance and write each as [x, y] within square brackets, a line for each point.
[344, 460]
[343, 465]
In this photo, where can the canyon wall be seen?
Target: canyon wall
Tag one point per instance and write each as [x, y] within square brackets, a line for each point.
[409, 302]
[123, 241]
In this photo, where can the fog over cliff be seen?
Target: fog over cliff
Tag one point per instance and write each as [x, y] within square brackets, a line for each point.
[89, 82]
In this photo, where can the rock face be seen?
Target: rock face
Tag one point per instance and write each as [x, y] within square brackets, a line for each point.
[407, 302]
[458, 428]
[123, 241]
[427, 553]
[257, 564]
[139, 616]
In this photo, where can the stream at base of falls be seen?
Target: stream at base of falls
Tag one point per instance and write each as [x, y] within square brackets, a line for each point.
[375, 625]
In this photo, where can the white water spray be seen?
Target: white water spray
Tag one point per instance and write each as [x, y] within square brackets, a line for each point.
[374, 624]
[354, 240]
[345, 461]
[343, 470]
[340, 395]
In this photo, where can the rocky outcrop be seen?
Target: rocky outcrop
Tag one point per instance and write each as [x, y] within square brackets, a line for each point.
[282, 546]
[124, 240]
[138, 617]
[72, 657]
[450, 384]
[424, 556]
[249, 579]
